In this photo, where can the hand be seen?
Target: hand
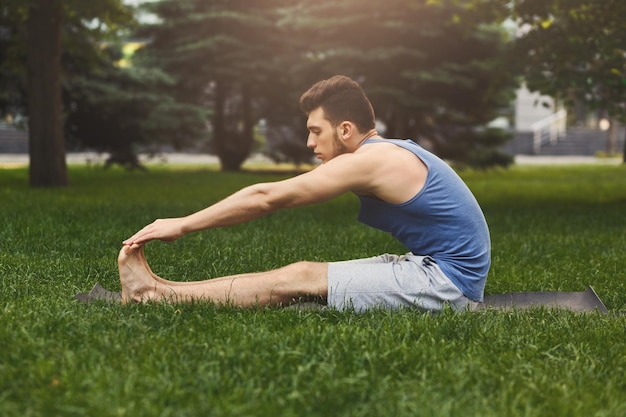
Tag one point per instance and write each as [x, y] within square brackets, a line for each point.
[166, 230]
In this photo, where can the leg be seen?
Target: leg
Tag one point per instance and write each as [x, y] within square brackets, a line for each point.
[280, 286]
[391, 281]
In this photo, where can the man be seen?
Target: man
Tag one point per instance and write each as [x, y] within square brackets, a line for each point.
[403, 189]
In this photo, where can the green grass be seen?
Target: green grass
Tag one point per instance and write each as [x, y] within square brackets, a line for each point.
[559, 228]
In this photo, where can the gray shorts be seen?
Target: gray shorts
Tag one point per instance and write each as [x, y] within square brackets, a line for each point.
[392, 281]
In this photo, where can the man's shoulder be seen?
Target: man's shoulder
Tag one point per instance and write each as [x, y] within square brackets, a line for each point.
[368, 158]
[379, 149]
[395, 174]
[388, 151]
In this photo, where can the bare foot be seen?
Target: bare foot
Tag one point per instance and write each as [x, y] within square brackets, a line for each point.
[139, 283]
[141, 254]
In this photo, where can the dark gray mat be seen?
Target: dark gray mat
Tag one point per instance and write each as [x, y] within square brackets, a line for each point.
[98, 293]
[584, 301]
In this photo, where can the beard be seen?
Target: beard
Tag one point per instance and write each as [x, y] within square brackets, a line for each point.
[339, 146]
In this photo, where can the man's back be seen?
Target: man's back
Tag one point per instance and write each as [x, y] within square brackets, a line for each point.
[441, 220]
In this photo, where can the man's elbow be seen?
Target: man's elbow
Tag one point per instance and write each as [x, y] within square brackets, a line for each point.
[267, 200]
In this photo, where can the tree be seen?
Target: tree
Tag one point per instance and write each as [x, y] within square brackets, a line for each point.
[47, 166]
[575, 50]
[434, 69]
[221, 55]
[30, 59]
[114, 109]
[112, 106]
[35, 36]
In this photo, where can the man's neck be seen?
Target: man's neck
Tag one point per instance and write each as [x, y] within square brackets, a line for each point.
[371, 134]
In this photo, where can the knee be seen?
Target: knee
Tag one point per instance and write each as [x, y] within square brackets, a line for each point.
[308, 278]
[308, 270]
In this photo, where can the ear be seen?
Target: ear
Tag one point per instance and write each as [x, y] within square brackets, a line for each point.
[346, 130]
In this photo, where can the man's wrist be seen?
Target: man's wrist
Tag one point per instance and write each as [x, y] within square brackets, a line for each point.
[187, 225]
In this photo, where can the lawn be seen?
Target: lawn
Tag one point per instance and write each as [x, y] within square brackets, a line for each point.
[553, 228]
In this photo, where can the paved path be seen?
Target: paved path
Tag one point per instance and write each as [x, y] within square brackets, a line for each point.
[16, 160]
[564, 160]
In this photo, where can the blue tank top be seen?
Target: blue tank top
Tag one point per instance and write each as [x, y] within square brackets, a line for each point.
[443, 221]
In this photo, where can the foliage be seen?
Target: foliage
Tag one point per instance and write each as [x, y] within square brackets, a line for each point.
[35, 35]
[225, 55]
[433, 70]
[553, 228]
[85, 26]
[107, 107]
[575, 50]
[12, 58]
[284, 143]
[115, 110]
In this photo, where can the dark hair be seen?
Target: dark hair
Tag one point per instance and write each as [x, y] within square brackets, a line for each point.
[342, 99]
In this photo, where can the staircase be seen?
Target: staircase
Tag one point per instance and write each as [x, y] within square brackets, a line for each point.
[549, 130]
[13, 140]
[551, 136]
[582, 141]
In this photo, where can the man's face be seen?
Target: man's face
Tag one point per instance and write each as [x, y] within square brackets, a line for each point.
[323, 138]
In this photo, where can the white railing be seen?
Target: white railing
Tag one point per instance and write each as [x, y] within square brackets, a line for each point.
[549, 130]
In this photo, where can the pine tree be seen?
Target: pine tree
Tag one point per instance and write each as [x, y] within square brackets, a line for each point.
[433, 69]
[222, 55]
[36, 38]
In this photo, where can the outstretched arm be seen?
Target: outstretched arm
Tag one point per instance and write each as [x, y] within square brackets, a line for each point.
[240, 207]
[336, 177]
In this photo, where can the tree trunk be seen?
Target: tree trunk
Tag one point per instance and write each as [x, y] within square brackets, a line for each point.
[232, 127]
[624, 153]
[45, 122]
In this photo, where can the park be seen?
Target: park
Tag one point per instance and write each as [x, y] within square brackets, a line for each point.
[553, 227]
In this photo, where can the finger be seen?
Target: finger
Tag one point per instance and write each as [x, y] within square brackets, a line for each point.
[138, 237]
[135, 239]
